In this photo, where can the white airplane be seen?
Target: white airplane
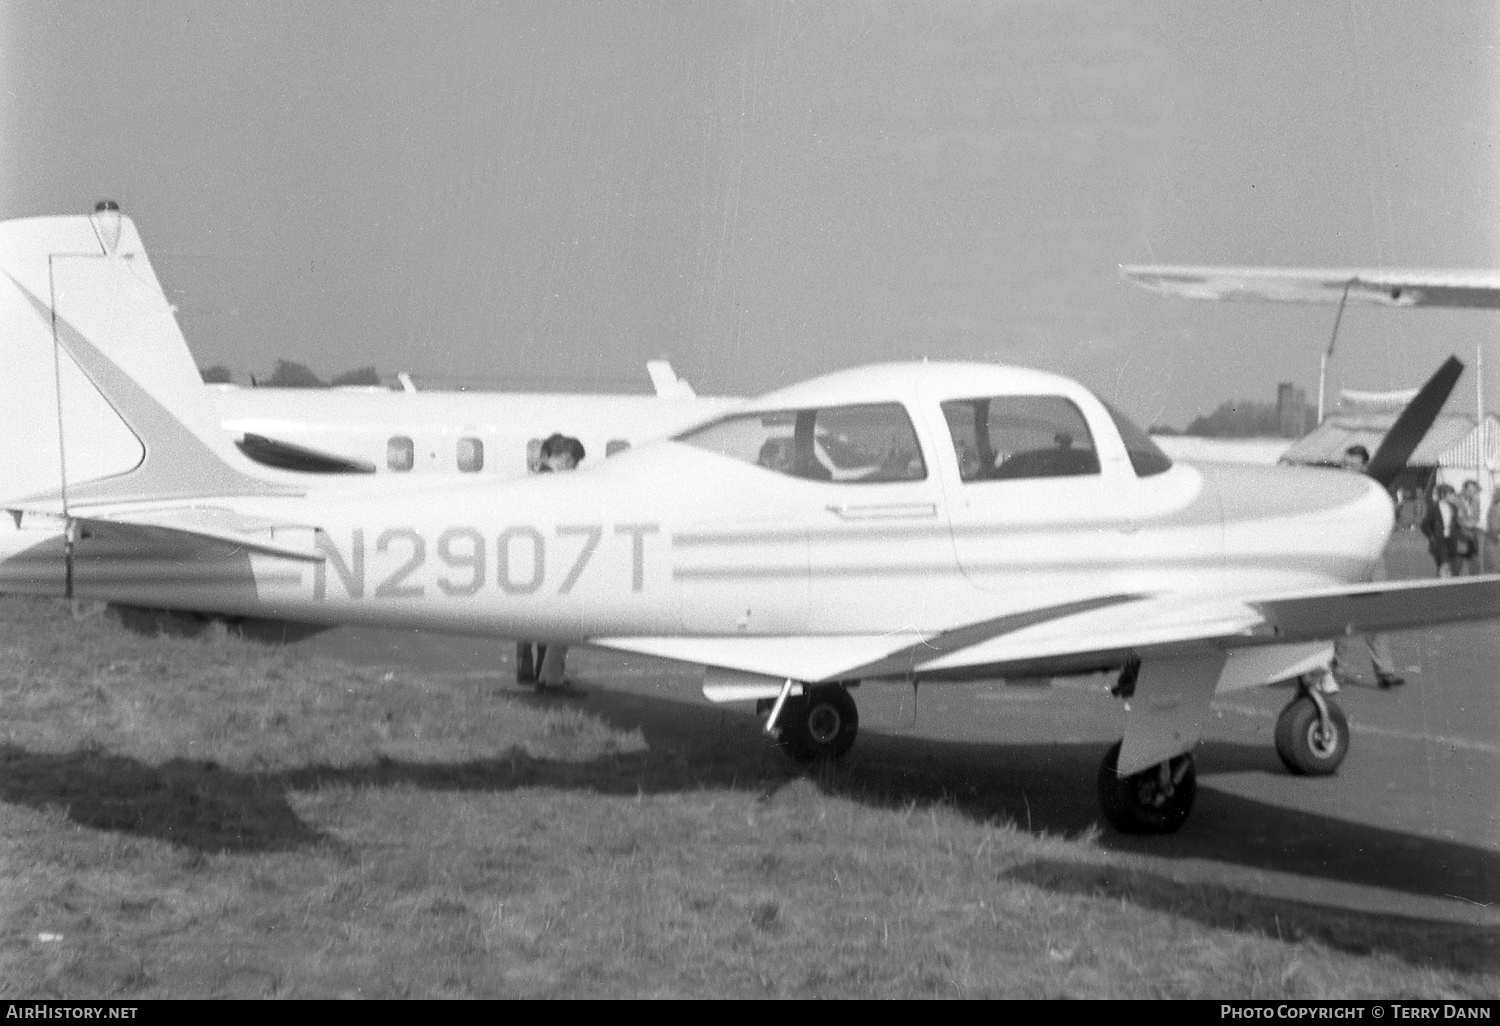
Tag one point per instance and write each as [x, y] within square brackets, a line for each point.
[370, 430]
[903, 523]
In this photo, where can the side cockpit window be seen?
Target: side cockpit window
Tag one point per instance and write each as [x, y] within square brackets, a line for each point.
[866, 443]
[1000, 438]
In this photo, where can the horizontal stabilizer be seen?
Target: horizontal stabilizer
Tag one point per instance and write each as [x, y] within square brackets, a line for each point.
[216, 524]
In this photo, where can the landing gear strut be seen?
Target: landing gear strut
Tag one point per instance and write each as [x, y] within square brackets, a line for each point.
[818, 725]
[1156, 800]
[1312, 733]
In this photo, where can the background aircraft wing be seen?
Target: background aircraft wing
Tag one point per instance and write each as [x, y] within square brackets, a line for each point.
[1384, 286]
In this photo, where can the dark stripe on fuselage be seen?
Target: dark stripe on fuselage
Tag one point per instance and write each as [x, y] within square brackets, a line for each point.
[1337, 568]
[904, 660]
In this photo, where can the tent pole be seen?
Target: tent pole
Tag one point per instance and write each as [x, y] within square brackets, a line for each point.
[1328, 353]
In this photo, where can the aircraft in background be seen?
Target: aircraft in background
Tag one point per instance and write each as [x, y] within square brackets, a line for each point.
[370, 430]
[1401, 287]
[1380, 286]
[902, 523]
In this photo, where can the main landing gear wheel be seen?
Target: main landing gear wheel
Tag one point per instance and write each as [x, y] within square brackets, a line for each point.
[1310, 743]
[819, 725]
[1154, 801]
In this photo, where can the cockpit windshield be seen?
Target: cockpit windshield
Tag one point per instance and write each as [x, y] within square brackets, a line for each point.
[866, 443]
[1145, 456]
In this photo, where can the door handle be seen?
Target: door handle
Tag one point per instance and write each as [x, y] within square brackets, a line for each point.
[883, 510]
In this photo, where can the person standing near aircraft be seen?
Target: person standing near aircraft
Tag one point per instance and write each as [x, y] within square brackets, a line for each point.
[1377, 646]
[559, 454]
[1490, 561]
[1440, 525]
[1470, 540]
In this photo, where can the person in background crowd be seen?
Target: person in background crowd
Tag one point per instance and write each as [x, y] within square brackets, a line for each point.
[1376, 646]
[1468, 545]
[1490, 559]
[1440, 525]
[543, 665]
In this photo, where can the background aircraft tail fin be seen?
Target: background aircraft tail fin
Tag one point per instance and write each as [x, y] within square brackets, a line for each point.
[100, 400]
[666, 382]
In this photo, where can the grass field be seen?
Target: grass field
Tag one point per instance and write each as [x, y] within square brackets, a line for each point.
[210, 816]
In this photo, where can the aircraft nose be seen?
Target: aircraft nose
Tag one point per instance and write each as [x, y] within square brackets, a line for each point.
[1375, 512]
[1330, 524]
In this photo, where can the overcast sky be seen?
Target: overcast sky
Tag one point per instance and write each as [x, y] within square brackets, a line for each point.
[545, 195]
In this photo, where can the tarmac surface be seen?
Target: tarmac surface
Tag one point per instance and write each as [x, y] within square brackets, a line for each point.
[1409, 827]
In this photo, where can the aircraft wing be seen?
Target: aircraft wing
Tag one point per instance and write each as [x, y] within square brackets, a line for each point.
[198, 523]
[1383, 286]
[1093, 633]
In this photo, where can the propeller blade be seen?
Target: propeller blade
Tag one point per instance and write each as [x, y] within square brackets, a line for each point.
[1411, 427]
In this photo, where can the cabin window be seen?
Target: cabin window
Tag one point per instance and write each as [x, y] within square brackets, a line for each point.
[867, 443]
[1020, 436]
[400, 453]
[470, 455]
[615, 445]
[1146, 457]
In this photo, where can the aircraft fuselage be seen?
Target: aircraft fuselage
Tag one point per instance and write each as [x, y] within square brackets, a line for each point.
[673, 540]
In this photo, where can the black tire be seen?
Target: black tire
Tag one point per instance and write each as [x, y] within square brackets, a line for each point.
[526, 668]
[1138, 804]
[1306, 746]
[819, 725]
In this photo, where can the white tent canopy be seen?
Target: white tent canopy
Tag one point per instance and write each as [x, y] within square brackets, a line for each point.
[1479, 449]
[1475, 457]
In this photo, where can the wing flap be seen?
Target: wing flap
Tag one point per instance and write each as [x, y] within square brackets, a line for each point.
[1168, 710]
[809, 658]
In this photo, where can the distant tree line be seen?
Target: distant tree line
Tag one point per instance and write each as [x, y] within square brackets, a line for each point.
[1243, 418]
[291, 374]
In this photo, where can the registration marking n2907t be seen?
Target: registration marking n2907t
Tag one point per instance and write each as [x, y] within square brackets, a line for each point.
[520, 559]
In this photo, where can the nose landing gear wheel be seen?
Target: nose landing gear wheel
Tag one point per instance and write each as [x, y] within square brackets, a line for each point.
[819, 725]
[1311, 745]
[1156, 800]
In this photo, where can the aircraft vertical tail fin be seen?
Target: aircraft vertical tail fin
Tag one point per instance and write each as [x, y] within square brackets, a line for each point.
[666, 382]
[100, 400]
